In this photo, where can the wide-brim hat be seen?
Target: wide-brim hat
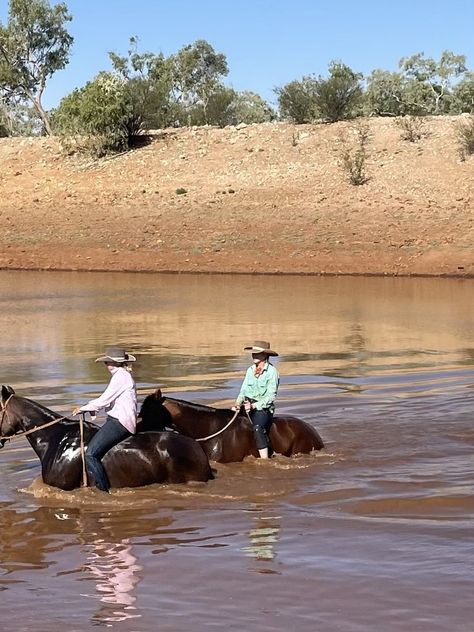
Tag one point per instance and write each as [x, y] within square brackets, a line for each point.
[261, 346]
[116, 354]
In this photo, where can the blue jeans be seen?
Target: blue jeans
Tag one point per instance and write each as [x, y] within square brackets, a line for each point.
[111, 433]
[261, 422]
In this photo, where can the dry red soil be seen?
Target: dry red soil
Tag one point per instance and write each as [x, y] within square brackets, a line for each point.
[269, 198]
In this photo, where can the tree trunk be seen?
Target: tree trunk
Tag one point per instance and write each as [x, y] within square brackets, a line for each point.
[43, 116]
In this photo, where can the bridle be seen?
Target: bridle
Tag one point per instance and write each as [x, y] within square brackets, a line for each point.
[4, 412]
[18, 435]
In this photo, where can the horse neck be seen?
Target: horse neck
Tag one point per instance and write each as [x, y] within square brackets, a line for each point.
[193, 420]
[44, 438]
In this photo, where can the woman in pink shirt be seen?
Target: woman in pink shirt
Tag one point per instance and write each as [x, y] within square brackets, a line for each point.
[120, 402]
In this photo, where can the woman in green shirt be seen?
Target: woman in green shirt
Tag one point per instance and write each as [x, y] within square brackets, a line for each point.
[258, 393]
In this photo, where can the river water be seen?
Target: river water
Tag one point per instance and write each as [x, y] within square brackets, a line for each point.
[373, 534]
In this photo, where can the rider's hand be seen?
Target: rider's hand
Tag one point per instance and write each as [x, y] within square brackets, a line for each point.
[76, 411]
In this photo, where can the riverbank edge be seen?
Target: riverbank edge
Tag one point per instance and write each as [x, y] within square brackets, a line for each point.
[414, 275]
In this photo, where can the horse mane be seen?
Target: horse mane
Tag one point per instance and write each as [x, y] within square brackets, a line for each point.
[198, 407]
[40, 409]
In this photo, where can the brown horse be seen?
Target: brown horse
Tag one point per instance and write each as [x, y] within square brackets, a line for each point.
[288, 435]
[143, 459]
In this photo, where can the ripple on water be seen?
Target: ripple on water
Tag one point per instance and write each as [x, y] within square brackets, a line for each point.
[441, 507]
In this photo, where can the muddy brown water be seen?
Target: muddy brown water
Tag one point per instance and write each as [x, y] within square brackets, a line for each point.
[373, 534]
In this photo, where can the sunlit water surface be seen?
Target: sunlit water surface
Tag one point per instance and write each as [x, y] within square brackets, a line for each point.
[373, 534]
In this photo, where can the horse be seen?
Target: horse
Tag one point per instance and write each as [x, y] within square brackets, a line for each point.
[288, 435]
[142, 459]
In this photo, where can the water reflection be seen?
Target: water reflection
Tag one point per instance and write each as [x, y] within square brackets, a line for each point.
[25, 539]
[116, 572]
[263, 536]
[30, 539]
[336, 326]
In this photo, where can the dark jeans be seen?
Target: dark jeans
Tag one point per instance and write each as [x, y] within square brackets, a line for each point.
[111, 433]
[261, 422]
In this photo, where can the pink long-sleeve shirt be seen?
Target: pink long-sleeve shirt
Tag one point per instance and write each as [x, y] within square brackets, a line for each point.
[119, 399]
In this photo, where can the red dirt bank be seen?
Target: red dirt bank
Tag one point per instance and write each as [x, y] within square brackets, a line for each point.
[266, 198]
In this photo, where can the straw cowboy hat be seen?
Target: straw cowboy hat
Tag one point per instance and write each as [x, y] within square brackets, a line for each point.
[261, 346]
[116, 354]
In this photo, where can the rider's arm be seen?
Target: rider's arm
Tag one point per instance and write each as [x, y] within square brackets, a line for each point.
[241, 396]
[115, 387]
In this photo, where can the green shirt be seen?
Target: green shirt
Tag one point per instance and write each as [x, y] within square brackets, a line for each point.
[262, 388]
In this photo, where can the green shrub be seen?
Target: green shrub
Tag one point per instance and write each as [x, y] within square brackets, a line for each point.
[465, 137]
[249, 107]
[296, 100]
[102, 115]
[338, 97]
[353, 154]
[226, 106]
[463, 95]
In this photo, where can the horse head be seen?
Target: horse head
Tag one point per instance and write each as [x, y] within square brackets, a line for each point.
[9, 422]
[153, 415]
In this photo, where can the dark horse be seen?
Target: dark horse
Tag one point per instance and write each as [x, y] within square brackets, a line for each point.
[145, 458]
[288, 435]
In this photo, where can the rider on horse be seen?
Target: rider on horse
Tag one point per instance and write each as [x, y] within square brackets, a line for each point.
[258, 393]
[120, 401]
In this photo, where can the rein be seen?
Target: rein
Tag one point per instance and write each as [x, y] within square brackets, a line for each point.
[221, 430]
[20, 435]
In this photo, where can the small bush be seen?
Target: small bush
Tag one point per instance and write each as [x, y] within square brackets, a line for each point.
[296, 100]
[354, 154]
[181, 191]
[100, 118]
[339, 96]
[465, 137]
[412, 128]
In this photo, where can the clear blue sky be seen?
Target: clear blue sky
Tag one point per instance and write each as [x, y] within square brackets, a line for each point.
[267, 42]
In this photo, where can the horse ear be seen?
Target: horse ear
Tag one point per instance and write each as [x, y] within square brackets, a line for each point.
[7, 391]
[158, 395]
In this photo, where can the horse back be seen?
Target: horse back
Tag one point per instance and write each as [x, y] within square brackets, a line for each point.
[290, 435]
[174, 458]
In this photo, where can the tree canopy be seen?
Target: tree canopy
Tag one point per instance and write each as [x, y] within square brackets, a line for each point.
[34, 44]
[146, 90]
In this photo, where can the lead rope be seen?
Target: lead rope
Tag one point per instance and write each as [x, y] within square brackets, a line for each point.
[20, 435]
[82, 417]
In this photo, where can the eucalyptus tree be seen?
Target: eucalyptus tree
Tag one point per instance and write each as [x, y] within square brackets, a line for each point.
[34, 44]
[438, 76]
[148, 79]
[394, 94]
[197, 71]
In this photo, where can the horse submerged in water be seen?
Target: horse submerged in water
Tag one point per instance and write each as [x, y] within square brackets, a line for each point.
[143, 459]
[288, 435]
